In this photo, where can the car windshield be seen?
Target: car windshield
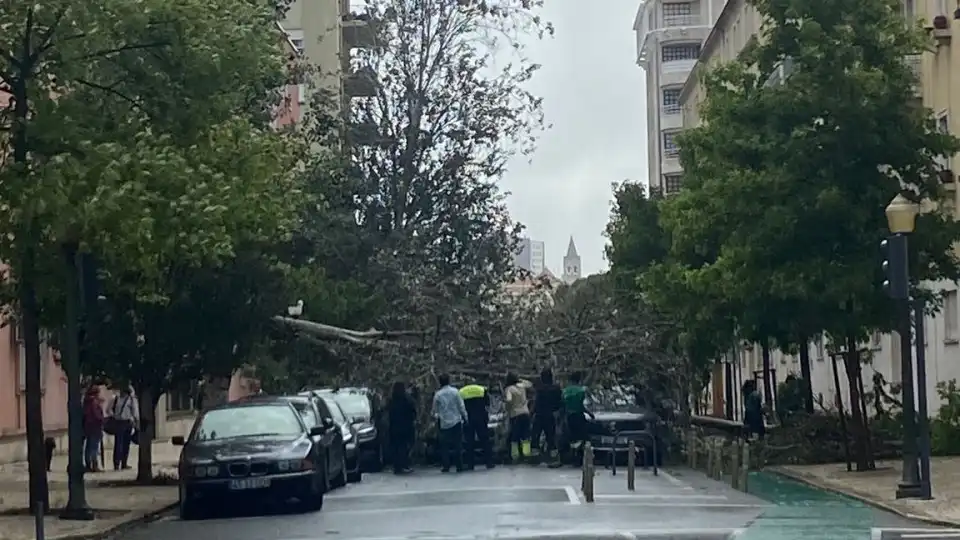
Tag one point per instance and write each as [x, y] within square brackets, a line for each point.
[306, 411]
[335, 410]
[611, 399]
[247, 421]
[354, 404]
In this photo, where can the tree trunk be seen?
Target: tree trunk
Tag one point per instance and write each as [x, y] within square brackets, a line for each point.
[767, 382]
[861, 449]
[805, 375]
[148, 409]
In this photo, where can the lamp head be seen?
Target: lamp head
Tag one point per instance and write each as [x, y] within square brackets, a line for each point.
[902, 215]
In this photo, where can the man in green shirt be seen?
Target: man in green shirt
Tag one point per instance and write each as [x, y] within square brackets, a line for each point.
[575, 411]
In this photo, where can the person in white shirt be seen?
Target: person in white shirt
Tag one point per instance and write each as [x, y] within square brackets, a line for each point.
[124, 415]
[519, 417]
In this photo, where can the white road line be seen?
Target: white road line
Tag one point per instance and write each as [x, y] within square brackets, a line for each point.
[681, 504]
[514, 505]
[350, 495]
[672, 479]
[572, 495]
[599, 533]
[930, 535]
[659, 496]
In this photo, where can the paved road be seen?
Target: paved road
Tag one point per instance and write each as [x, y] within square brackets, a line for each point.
[523, 502]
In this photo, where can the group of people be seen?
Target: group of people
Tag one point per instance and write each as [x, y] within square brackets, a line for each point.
[120, 418]
[462, 416]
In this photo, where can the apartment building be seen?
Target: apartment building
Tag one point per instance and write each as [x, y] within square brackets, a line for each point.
[530, 256]
[938, 71]
[669, 36]
[325, 32]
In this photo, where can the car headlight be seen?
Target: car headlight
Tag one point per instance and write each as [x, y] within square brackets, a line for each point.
[206, 471]
[367, 432]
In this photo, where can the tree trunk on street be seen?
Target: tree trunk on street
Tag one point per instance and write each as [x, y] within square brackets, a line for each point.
[805, 375]
[767, 382]
[148, 409]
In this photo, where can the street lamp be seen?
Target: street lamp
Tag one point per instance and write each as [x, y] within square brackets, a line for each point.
[901, 219]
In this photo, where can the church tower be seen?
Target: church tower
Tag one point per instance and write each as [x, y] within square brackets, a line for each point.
[571, 263]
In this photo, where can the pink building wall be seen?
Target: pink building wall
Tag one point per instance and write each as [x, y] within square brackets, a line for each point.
[288, 113]
[12, 395]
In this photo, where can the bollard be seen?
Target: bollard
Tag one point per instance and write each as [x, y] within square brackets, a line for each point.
[613, 454]
[735, 466]
[694, 450]
[744, 467]
[709, 447]
[38, 520]
[588, 473]
[631, 466]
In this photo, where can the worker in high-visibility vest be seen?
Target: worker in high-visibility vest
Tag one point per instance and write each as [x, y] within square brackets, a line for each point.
[515, 399]
[476, 430]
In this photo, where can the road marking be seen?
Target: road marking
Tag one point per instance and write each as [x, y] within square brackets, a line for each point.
[930, 535]
[659, 496]
[673, 479]
[349, 495]
[913, 533]
[635, 534]
[572, 495]
[679, 504]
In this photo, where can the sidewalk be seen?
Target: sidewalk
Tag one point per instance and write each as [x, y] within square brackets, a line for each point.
[111, 494]
[878, 487]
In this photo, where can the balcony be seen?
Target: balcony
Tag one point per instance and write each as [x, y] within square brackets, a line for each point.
[359, 31]
[361, 83]
[675, 21]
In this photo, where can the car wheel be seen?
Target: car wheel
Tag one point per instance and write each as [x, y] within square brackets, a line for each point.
[341, 479]
[189, 509]
[312, 500]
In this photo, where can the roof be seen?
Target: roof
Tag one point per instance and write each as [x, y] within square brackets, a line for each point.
[571, 249]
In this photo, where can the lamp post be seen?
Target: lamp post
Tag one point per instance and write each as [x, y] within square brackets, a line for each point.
[901, 219]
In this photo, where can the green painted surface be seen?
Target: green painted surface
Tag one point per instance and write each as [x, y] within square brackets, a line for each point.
[799, 512]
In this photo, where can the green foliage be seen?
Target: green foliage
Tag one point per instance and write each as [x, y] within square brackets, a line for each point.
[945, 428]
[786, 184]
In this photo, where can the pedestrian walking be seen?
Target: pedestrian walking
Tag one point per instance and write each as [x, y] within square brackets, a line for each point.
[402, 413]
[519, 417]
[546, 411]
[477, 434]
[451, 415]
[124, 419]
[576, 412]
[93, 420]
[753, 421]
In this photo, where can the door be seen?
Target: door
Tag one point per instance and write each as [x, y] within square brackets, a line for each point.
[332, 438]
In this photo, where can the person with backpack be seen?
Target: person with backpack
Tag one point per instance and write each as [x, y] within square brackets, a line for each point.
[124, 416]
[93, 423]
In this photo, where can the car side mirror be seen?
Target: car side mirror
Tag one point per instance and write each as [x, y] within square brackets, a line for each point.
[316, 431]
[178, 440]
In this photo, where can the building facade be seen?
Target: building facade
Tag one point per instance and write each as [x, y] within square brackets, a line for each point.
[325, 31]
[669, 37]
[530, 256]
[938, 71]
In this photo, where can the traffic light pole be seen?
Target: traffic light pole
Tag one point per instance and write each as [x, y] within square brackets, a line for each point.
[923, 422]
[898, 286]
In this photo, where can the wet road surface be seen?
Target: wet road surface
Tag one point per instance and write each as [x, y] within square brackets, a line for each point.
[523, 502]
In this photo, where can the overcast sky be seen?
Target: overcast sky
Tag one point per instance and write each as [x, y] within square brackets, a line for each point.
[594, 96]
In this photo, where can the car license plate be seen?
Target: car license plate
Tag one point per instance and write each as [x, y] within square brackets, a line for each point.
[606, 439]
[249, 483]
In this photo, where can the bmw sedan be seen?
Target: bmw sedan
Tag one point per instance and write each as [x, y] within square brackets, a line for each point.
[252, 450]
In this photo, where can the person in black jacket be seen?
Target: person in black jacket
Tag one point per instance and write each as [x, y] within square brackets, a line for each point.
[546, 408]
[403, 419]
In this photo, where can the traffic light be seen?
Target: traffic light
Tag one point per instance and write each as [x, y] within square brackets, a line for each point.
[896, 279]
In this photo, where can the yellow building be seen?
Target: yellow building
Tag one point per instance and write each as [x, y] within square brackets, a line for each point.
[938, 71]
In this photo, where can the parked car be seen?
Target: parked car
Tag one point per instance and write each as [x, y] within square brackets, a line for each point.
[254, 449]
[363, 410]
[347, 431]
[619, 419]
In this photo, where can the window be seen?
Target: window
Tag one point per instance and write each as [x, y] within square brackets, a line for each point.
[670, 148]
[943, 126]
[950, 330]
[671, 183]
[876, 341]
[909, 12]
[182, 399]
[818, 344]
[674, 53]
[298, 45]
[678, 14]
[671, 100]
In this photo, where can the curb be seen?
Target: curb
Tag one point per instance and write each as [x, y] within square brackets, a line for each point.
[122, 527]
[816, 483]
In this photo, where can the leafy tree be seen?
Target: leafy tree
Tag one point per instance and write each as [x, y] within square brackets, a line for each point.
[786, 183]
[135, 136]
